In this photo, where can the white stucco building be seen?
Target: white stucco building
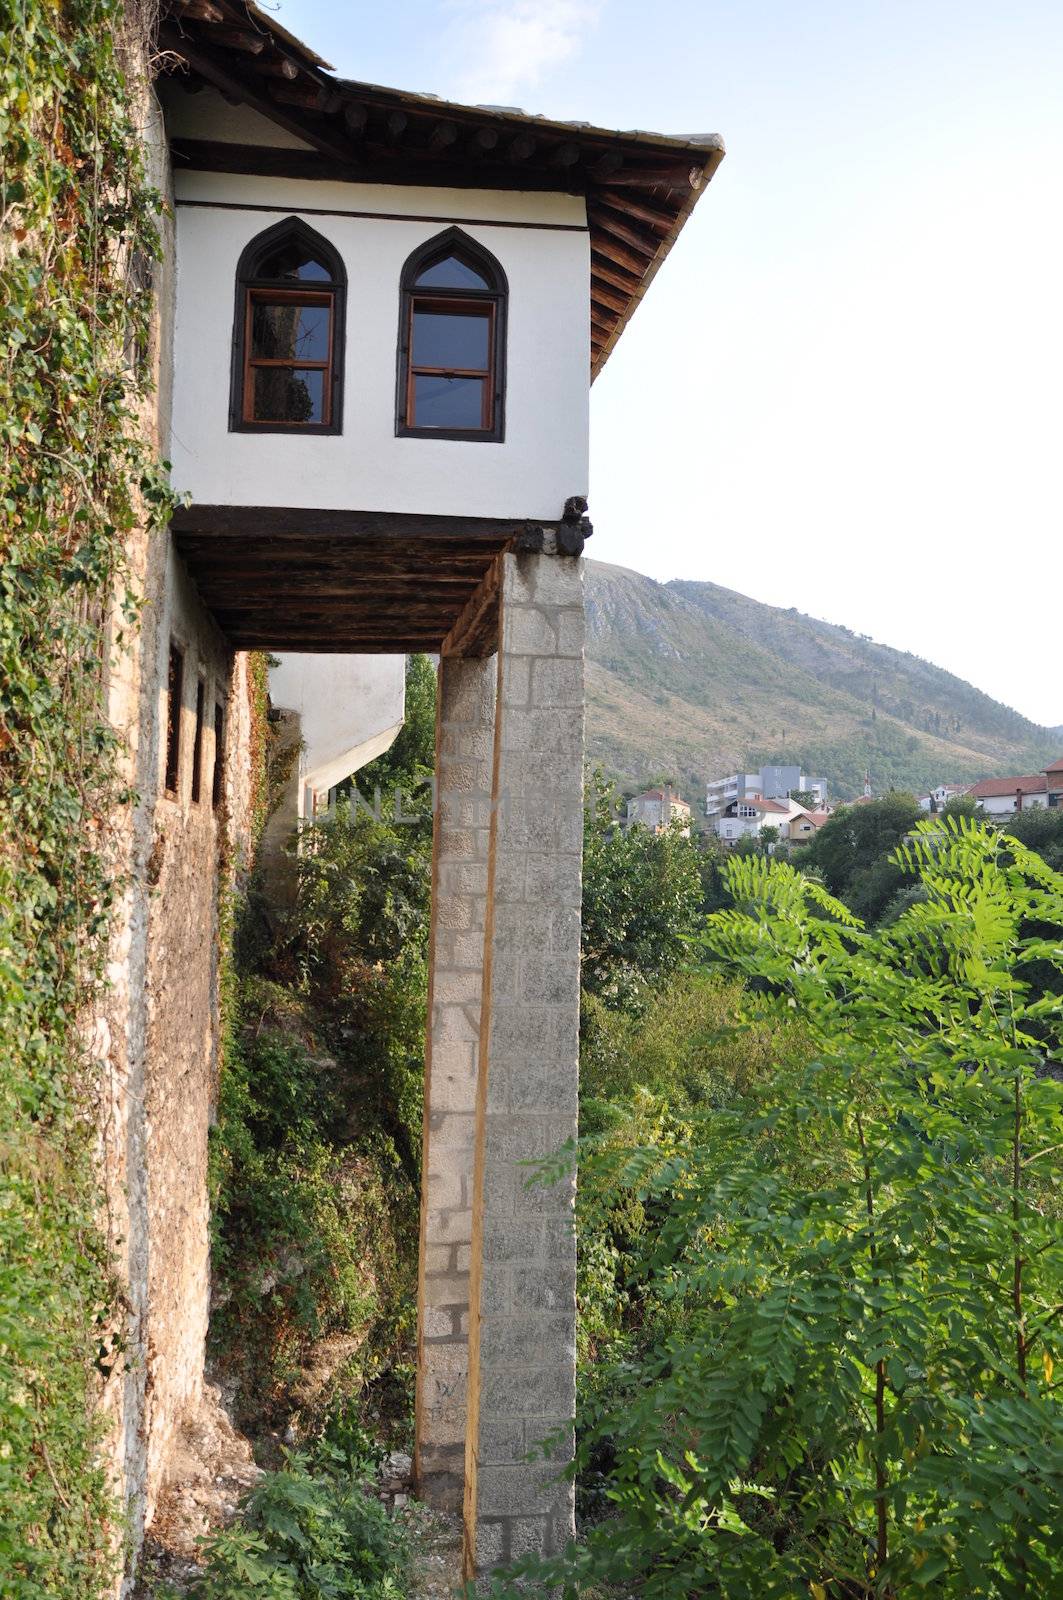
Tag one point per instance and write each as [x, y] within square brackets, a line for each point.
[770, 783]
[658, 809]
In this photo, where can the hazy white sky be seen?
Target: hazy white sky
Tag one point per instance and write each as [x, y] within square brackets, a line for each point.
[843, 392]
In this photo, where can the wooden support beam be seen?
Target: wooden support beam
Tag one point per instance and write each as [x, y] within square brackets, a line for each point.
[355, 117]
[278, 69]
[606, 166]
[252, 44]
[566, 154]
[201, 61]
[475, 632]
[659, 220]
[307, 524]
[602, 296]
[483, 140]
[442, 136]
[678, 175]
[520, 148]
[396, 123]
[199, 11]
[618, 254]
[601, 268]
[602, 217]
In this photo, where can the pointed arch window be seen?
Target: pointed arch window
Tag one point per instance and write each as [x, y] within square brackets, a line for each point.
[452, 342]
[288, 334]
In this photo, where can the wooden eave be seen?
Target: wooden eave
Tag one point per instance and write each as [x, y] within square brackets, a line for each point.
[639, 187]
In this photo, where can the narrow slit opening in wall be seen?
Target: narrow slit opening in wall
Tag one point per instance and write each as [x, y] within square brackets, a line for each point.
[197, 747]
[219, 756]
[174, 685]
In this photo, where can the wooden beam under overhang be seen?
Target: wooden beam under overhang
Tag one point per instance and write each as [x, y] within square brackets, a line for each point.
[475, 633]
[319, 579]
[315, 522]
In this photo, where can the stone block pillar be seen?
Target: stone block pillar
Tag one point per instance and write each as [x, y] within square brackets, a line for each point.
[464, 755]
[522, 1288]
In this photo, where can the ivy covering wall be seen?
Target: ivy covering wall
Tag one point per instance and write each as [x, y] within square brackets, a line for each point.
[75, 479]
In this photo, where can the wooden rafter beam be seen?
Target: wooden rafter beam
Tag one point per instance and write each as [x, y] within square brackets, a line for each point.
[475, 632]
[228, 83]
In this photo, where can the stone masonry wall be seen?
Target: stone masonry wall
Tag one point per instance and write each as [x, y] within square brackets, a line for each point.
[523, 1291]
[464, 759]
[157, 1031]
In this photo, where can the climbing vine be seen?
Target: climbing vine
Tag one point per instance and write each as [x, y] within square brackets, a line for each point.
[77, 236]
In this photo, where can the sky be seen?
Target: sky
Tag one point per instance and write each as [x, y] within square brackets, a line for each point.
[844, 391]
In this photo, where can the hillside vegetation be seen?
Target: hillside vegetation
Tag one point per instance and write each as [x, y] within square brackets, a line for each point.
[691, 680]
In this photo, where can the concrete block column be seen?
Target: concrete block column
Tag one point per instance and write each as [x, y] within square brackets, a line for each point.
[522, 1291]
[464, 761]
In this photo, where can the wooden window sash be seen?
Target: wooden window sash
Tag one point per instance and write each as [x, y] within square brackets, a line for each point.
[456, 305]
[261, 294]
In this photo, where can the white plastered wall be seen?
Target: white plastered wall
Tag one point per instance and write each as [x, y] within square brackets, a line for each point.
[543, 459]
[350, 709]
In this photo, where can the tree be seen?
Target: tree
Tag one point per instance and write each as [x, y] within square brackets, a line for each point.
[854, 1274]
[642, 897]
[852, 852]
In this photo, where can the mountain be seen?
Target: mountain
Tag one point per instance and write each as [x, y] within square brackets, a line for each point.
[691, 681]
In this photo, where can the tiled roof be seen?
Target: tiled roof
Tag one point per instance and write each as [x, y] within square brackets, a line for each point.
[1057, 766]
[999, 788]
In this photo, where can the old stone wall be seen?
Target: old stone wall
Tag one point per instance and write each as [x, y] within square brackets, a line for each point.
[157, 1031]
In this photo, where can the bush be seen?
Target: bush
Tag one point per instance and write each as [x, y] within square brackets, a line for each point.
[309, 1532]
[848, 1386]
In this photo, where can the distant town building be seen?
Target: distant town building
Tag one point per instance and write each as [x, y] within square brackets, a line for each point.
[938, 798]
[744, 818]
[658, 809]
[1002, 797]
[770, 783]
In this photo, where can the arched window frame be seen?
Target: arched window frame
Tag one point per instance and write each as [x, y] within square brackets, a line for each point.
[249, 283]
[453, 241]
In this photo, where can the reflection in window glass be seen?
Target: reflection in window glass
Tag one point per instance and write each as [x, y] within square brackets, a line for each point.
[292, 261]
[440, 402]
[452, 340]
[290, 332]
[451, 273]
[288, 394]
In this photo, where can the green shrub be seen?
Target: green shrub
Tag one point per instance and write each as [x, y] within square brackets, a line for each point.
[309, 1532]
[847, 1390]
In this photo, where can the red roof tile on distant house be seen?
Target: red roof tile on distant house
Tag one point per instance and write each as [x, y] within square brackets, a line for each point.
[658, 794]
[759, 804]
[999, 788]
[1057, 766]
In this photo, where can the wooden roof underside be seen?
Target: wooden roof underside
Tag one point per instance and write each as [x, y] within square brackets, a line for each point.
[639, 187]
[363, 582]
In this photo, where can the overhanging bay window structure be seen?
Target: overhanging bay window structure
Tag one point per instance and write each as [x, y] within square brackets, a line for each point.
[416, 279]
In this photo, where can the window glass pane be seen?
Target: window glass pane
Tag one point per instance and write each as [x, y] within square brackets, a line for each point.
[293, 261]
[286, 394]
[450, 339]
[289, 332]
[452, 273]
[447, 402]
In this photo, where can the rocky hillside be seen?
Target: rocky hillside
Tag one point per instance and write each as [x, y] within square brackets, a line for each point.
[690, 680]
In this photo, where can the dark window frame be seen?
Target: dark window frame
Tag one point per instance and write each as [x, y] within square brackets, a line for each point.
[251, 284]
[174, 710]
[197, 742]
[462, 301]
[217, 777]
